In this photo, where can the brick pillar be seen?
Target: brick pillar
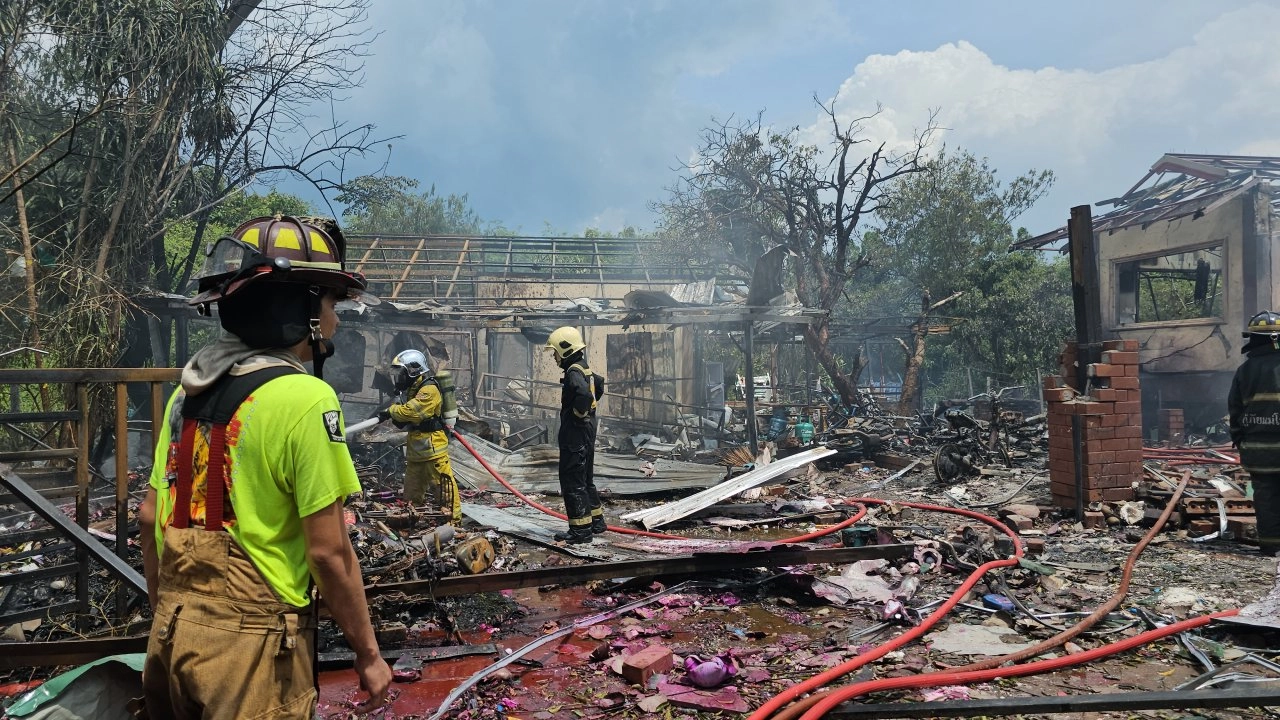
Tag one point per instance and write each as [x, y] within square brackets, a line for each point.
[1169, 422]
[1111, 423]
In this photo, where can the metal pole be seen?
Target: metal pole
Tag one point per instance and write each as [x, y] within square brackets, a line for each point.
[1039, 389]
[122, 492]
[748, 352]
[82, 502]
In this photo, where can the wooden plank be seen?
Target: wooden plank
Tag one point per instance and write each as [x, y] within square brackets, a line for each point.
[82, 500]
[408, 267]
[32, 417]
[46, 550]
[14, 456]
[53, 493]
[11, 376]
[21, 537]
[35, 613]
[462, 256]
[122, 492]
[68, 652]
[713, 563]
[1086, 296]
[670, 512]
[367, 254]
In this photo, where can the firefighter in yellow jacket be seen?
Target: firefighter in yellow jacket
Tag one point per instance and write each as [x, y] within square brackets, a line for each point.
[429, 413]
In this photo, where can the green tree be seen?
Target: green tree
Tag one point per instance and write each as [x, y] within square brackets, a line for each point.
[120, 118]
[384, 205]
[942, 247]
[1012, 324]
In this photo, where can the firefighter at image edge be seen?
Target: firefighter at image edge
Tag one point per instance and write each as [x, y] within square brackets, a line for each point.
[579, 395]
[244, 513]
[1254, 415]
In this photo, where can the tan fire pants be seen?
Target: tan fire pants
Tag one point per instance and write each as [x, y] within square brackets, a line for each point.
[222, 645]
[434, 475]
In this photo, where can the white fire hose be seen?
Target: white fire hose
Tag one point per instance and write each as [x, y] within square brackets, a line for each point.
[362, 425]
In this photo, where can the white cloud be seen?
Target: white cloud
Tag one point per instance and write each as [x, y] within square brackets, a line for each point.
[1098, 131]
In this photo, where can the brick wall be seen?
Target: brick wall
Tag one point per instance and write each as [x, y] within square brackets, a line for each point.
[1169, 422]
[1111, 426]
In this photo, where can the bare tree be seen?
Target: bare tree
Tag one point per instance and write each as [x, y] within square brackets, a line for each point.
[119, 116]
[751, 188]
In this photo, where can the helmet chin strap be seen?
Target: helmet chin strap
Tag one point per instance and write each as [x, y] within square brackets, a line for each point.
[321, 346]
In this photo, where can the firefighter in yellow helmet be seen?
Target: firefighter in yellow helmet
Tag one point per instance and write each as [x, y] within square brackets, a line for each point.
[429, 413]
[1254, 415]
[244, 513]
[581, 391]
[1255, 422]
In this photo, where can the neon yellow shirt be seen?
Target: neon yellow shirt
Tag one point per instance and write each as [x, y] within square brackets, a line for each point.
[286, 458]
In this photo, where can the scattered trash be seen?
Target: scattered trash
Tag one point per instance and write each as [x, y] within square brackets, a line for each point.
[709, 673]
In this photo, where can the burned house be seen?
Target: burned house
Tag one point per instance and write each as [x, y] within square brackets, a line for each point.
[1185, 257]
[483, 307]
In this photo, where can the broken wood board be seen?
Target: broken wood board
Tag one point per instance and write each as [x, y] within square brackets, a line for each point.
[342, 660]
[536, 468]
[670, 512]
[649, 547]
[713, 563]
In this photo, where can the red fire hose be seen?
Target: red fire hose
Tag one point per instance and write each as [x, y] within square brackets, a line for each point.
[819, 705]
[829, 702]
[822, 679]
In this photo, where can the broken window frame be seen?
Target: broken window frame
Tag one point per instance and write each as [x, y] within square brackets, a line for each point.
[1206, 288]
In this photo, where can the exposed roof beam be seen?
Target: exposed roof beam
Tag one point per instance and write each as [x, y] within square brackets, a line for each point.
[237, 12]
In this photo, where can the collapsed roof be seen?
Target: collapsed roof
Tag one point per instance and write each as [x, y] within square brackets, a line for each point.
[1177, 185]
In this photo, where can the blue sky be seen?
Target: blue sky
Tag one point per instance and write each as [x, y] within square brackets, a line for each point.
[573, 113]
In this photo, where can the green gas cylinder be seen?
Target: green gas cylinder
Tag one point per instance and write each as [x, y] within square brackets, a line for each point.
[804, 430]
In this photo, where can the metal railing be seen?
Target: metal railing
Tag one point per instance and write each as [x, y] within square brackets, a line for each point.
[60, 439]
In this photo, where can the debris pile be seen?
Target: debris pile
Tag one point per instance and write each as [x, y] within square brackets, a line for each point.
[968, 562]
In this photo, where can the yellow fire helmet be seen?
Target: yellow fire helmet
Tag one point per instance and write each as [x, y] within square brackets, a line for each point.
[565, 341]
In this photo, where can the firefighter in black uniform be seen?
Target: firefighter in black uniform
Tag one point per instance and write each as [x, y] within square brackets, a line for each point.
[1254, 406]
[582, 389]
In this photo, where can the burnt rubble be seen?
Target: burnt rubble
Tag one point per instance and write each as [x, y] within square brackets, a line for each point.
[741, 635]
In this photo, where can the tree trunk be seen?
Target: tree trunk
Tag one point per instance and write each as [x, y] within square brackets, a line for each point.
[909, 400]
[816, 337]
[29, 258]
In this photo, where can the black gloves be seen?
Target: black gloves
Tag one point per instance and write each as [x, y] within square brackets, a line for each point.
[384, 414]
